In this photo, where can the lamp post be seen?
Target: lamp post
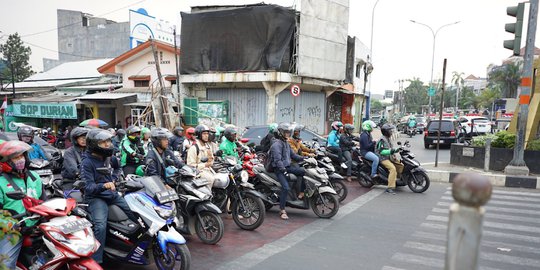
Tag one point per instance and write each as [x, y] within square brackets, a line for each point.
[434, 33]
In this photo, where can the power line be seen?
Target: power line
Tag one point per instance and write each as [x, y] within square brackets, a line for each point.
[47, 49]
[78, 22]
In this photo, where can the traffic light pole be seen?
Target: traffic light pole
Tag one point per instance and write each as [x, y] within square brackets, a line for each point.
[517, 166]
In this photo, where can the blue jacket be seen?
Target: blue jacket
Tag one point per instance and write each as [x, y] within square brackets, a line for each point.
[333, 138]
[95, 180]
[37, 153]
[366, 143]
[155, 167]
[281, 154]
[176, 142]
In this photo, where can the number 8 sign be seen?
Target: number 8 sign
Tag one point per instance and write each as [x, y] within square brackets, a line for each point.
[295, 90]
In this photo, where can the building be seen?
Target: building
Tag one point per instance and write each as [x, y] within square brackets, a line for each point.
[475, 83]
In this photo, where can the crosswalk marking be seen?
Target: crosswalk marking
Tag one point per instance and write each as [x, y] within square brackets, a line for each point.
[500, 202]
[421, 260]
[501, 209]
[517, 193]
[495, 216]
[521, 196]
[489, 224]
[497, 257]
[425, 247]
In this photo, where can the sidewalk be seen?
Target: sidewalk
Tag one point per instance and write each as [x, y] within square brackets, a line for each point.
[445, 172]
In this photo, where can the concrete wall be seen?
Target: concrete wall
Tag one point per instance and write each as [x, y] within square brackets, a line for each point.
[101, 38]
[144, 65]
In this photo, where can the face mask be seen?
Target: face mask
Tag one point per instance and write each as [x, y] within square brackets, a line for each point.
[20, 164]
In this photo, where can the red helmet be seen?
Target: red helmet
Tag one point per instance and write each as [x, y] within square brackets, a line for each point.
[190, 132]
[11, 149]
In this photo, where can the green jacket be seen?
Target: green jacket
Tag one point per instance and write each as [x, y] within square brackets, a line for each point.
[384, 148]
[127, 148]
[229, 148]
[32, 188]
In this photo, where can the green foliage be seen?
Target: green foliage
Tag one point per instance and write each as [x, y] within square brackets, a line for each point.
[504, 139]
[7, 232]
[376, 106]
[15, 55]
[480, 141]
[534, 145]
[505, 78]
[415, 96]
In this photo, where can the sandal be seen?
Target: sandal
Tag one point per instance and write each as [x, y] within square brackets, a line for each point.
[301, 195]
[283, 215]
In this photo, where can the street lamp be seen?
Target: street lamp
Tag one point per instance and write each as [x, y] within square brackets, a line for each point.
[434, 33]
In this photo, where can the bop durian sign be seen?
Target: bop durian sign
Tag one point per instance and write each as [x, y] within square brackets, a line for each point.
[46, 110]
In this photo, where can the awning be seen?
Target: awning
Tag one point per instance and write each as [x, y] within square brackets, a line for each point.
[137, 104]
[58, 97]
[139, 77]
[91, 87]
[107, 96]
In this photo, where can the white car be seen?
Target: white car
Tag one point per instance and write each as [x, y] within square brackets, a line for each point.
[482, 125]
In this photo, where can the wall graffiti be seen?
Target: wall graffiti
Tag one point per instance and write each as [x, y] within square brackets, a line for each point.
[286, 112]
[334, 112]
[314, 118]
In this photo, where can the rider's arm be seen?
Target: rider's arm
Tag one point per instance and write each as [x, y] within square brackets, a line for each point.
[276, 155]
[293, 145]
[126, 146]
[69, 167]
[88, 174]
[382, 150]
[117, 170]
[295, 156]
[305, 150]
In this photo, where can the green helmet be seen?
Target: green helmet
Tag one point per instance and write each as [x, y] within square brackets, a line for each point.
[140, 170]
[144, 130]
[219, 131]
[368, 125]
[272, 127]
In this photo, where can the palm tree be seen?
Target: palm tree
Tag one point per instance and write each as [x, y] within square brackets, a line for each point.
[505, 78]
[458, 81]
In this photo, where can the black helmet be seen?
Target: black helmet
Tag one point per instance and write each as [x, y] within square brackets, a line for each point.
[282, 130]
[298, 128]
[157, 134]
[348, 128]
[26, 132]
[94, 137]
[230, 134]
[386, 130]
[177, 130]
[78, 132]
[199, 130]
[121, 133]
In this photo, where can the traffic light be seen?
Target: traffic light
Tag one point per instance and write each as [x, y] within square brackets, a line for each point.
[515, 28]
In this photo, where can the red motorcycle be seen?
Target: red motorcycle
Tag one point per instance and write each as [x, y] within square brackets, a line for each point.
[62, 240]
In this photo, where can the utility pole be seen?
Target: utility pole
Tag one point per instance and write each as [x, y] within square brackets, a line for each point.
[517, 166]
[180, 99]
[162, 112]
[440, 114]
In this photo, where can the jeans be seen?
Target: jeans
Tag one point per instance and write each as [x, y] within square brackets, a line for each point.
[99, 209]
[336, 150]
[11, 251]
[283, 180]
[371, 156]
[348, 161]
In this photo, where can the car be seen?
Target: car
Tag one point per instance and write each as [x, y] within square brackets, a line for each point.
[420, 124]
[478, 124]
[50, 150]
[450, 132]
[256, 133]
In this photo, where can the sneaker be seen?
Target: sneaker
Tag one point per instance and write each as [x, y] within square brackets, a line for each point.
[391, 191]
[344, 166]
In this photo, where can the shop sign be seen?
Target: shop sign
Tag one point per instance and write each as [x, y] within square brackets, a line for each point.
[46, 110]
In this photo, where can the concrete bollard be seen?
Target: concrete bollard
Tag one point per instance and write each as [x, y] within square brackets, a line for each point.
[471, 192]
[487, 155]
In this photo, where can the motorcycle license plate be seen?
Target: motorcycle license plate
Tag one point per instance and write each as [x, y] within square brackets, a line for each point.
[200, 182]
[327, 159]
[75, 226]
[43, 172]
[166, 196]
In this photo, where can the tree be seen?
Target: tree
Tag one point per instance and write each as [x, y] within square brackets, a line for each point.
[16, 57]
[469, 99]
[506, 79]
[489, 96]
[376, 106]
[415, 96]
[457, 81]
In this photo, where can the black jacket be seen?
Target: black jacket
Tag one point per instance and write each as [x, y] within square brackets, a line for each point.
[175, 143]
[72, 162]
[267, 141]
[95, 180]
[154, 165]
[346, 142]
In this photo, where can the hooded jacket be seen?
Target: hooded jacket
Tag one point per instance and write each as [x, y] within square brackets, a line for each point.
[95, 180]
[72, 162]
[153, 162]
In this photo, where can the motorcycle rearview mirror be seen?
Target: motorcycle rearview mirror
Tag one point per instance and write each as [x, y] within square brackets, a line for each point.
[79, 184]
[244, 140]
[16, 195]
[398, 143]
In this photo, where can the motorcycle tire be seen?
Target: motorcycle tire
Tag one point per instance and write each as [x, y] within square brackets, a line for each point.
[170, 260]
[255, 212]
[364, 180]
[211, 230]
[340, 188]
[418, 182]
[326, 200]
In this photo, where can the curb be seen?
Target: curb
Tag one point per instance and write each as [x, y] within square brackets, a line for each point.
[498, 180]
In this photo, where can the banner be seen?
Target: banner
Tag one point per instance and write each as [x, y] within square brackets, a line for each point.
[66, 110]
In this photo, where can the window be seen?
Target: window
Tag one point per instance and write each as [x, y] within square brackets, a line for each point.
[256, 132]
[84, 21]
[445, 125]
[142, 83]
[358, 70]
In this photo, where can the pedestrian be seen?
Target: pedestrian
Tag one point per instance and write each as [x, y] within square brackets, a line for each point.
[118, 125]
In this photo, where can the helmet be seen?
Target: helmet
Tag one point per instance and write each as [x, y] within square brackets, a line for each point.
[212, 134]
[44, 132]
[200, 129]
[177, 130]
[412, 117]
[272, 127]
[298, 128]
[131, 133]
[112, 131]
[190, 132]
[157, 134]
[219, 131]
[94, 137]
[144, 130]
[368, 125]
[230, 134]
[78, 132]
[336, 125]
[282, 130]
[386, 130]
[121, 133]
[26, 132]
[348, 128]
[11, 149]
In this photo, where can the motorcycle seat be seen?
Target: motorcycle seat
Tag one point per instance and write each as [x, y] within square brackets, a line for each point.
[116, 214]
[332, 155]
[292, 177]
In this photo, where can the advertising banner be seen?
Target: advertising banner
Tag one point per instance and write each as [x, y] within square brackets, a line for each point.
[66, 110]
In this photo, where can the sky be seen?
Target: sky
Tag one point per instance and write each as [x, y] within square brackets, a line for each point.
[401, 49]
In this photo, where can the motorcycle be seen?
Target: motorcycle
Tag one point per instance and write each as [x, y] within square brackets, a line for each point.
[413, 174]
[411, 131]
[319, 195]
[336, 180]
[153, 205]
[62, 241]
[43, 168]
[60, 142]
[196, 211]
[231, 183]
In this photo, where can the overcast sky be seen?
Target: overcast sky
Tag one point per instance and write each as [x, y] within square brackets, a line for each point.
[401, 49]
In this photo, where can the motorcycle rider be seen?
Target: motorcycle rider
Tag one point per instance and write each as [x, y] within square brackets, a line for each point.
[228, 145]
[145, 138]
[280, 156]
[268, 140]
[333, 142]
[120, 134]
[176, 141]
[188, 142]
[72, 156]
[411, 123]
[132, 150]
[16, 176]
[26, 134]
[202, 149]
[367, 146]
[346, 143]
[296, 143]
[385, 149]
[160, 156]
[99, 170]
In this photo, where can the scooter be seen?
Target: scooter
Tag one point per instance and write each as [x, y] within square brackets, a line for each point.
[411, 131]
[62, 241]
[413, 174]
[42, 168]
[336, 180]
[319, 195]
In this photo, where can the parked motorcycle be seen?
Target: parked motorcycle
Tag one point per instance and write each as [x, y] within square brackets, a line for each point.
[413, 174]
[319, 195]
[64, 240]
[336, 180]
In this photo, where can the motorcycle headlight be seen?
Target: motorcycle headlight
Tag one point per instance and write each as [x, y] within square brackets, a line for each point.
[244, 176]
[165, 213]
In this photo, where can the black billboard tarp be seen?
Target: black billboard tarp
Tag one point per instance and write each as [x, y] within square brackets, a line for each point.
[244, 39]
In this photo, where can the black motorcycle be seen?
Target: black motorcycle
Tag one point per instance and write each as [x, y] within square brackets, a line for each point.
[413, 174]
[60, 142]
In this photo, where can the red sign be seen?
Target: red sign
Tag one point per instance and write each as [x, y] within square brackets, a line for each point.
[295, 90]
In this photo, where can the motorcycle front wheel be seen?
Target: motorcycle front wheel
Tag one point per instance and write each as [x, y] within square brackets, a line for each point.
[324, 205]
[252, 215]
[340, 188]
[418, 182]
[210, 230]
[177, 257]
